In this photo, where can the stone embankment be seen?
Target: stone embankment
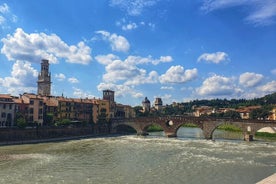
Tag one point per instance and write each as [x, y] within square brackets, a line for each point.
[269, 180]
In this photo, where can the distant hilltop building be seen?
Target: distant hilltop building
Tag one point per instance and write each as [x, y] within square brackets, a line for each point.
[158, 104]
[146, 105]
[44, 79]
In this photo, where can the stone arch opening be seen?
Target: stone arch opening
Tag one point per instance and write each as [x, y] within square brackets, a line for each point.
[228, 131]
[124, 129]
[154, 129]
[266, 133]
[189, 130]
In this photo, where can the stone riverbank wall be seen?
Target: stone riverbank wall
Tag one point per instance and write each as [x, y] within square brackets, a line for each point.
[35, 134]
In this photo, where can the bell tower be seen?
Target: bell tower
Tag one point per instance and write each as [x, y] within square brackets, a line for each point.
[44, 79]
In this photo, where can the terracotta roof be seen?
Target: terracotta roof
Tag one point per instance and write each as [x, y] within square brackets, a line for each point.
[33, 96]
[5, 96]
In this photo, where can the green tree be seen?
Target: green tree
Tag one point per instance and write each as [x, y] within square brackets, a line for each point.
[49, 118]
[21, 122]
[261, 113]
[232, 115]
[64, 122]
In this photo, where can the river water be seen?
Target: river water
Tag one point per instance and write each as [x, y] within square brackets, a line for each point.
[131, 159]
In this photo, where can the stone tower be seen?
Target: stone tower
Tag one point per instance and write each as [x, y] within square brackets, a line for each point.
[146, 105]
[109, 96]
[158, 104]
[44, 79]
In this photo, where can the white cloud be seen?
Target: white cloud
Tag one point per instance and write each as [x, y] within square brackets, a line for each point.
[177, 74]
[260, 12]
[60, 77]
[250, 79]
[216, 57]
[218, 86]
[143, 78]
[127, 71]
[4, 8]
[117, 42]
[73, 80]
[23, 78]
[167, 88]
[273, 71]
[6, 16]
[119, 70]
[133, 7]
[264, 14]
[269, 87]
[2, 20]
[36, 46]
[121, 90]
[79, 93]
[106, 59]
[144, 60]
[129, 26]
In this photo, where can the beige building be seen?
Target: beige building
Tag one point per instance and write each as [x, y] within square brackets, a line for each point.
[203, 110]
[7, 110]
[35, 110]
[245, 111]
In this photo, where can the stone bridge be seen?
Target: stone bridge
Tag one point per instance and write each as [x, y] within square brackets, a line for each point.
[170, 124]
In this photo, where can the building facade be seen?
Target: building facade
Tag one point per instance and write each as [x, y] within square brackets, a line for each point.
[35, 108]
[7, 110]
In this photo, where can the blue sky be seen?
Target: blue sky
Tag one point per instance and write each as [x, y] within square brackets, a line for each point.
[178, 50]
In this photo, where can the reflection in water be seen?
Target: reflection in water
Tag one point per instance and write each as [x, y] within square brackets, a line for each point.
[132, 159]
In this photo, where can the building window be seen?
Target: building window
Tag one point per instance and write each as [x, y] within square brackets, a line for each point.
[40, 111]
[31, 102]
[4, 106]
[31, 110]
[3, 115]
[10, 106]
[40, 103]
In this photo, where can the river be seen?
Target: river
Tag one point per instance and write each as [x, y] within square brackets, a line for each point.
[131, 159]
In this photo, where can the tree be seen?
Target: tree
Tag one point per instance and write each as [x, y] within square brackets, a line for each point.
[232, 115]
[21, 122]
[261, 113]
[138, 111]
[49, 119]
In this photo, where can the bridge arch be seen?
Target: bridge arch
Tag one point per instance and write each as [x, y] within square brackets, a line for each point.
[146, 127]
[231, 125]
[270, 129]
[189, 129]
[133, 126]
[124, 128]
[197, 124]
